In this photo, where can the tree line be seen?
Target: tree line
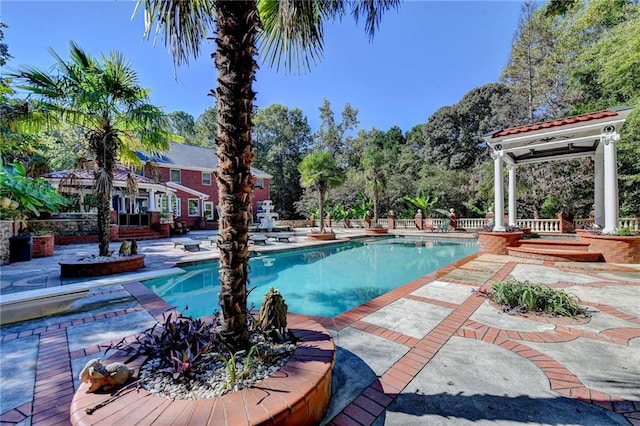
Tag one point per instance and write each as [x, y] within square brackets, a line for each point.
[564, 60]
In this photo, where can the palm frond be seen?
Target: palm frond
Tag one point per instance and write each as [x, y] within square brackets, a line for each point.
[103, 181]
[183, 25]
[371, 11]
[292, 32]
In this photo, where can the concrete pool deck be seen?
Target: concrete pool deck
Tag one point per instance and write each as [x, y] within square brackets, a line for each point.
[430, 352]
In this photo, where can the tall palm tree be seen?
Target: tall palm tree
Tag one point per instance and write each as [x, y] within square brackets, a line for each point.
[102, 97]
[373, 162]
[320, 172]
[288, 29]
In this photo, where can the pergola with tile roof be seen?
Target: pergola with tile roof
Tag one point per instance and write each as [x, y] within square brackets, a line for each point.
[588, 135]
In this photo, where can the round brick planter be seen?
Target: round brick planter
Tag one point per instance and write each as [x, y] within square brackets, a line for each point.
[78, 269]
[497, 242]
[377, 231]
[614, 249]
[321, 237]
[298, 394]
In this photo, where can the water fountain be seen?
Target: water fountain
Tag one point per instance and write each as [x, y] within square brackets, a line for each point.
[267, 216]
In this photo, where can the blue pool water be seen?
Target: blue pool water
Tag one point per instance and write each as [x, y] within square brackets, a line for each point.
[324, 281]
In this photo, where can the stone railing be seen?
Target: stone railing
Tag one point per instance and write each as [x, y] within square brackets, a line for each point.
[633, 223]
[539, 225]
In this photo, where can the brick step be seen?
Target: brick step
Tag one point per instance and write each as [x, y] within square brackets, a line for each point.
[555, 254]
[141, 233]
[555, 244]
[139, 237]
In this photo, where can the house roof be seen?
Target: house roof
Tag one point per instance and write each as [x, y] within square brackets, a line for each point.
[193, 158]
[188, 190]
[119, 175]
[86, 177]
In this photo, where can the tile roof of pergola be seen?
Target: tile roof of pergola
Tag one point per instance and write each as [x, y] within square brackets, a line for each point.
[564, 138]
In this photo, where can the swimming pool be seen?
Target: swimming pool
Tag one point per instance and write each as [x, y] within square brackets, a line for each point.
[324, 281]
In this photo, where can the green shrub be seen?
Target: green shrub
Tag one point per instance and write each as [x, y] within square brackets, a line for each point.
[624, 232]
[529, 297]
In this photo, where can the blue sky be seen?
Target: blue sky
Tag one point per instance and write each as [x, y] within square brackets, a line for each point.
[426, 55]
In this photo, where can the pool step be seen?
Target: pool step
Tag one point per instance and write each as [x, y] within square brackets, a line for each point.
[559, 250]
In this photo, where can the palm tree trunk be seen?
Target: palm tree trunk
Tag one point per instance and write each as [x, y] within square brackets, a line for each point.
[236, 25]
[104, 148]
[321, 211]
[375, 208]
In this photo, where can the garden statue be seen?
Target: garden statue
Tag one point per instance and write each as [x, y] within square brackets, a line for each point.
[273, 313]
[125, 249]
[453, 219]
[104, 377]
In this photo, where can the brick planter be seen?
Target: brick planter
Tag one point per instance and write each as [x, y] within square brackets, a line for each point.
[78, 269]
[377, 231]
[614, 249]
[321, 237]
[497, 242]
[42, 245]
[298, 394]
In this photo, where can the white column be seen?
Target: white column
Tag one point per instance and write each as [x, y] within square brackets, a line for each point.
[610, 137]
[152, 201]
[498, 188]
[512, 194]
[598, 186]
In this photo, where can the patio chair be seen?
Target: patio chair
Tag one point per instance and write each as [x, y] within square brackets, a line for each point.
[445, 225]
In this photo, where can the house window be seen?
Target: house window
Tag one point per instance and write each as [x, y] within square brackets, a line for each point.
[206, 178]
[139, 171]
[169, 204]
[176, 206]
[259, 183]
[194, 209]
[208, 210]
[175, 176]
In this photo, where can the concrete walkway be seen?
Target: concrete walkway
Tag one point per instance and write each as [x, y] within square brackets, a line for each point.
[430, 352]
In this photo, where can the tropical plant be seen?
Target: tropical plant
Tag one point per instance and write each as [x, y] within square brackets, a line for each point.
[177, 345]
[362, 210]
[375, 172]
[320, 172]
[479, 211]
[21, 195]
[104, 99]
[292, 31]
[340, 213]
[420, 202]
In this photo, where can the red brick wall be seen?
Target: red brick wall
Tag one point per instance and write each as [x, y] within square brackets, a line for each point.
[497, 242]
[193, 179]
[42, 246]
[614, 249]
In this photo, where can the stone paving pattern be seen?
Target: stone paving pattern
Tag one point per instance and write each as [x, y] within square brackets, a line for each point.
[431, 352]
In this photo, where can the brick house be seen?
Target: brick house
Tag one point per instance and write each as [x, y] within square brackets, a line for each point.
[189, 171]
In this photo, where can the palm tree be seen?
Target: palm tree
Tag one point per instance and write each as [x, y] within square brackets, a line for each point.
[292, 30]
[104, 99]
[373, 162]
[320, 172]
